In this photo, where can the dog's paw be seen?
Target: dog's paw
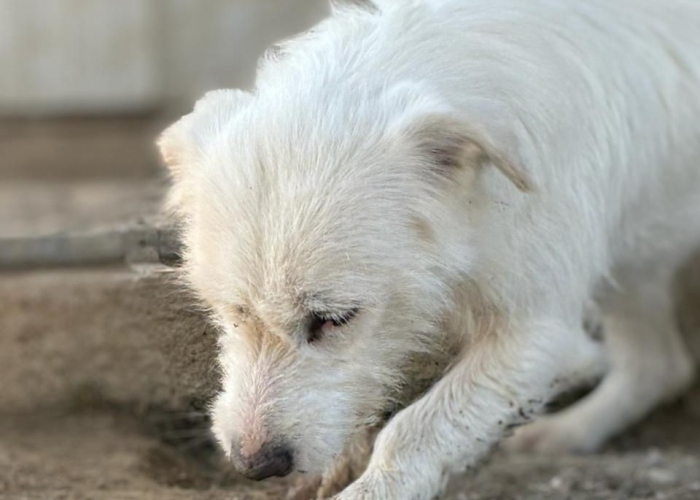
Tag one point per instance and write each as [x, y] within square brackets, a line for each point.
[348, 467]
[550, 436]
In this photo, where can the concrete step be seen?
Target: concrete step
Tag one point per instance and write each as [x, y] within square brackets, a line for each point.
[130, 335]
[80, 149]
[48, 224]
[122, 328]
[32, 208]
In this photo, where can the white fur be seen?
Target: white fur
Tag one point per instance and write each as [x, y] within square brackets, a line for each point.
[571, 134]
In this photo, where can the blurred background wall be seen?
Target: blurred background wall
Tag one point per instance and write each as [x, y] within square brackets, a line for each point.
[87, 57]
[86, 85]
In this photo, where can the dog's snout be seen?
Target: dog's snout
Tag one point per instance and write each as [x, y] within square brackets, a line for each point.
[274, 460]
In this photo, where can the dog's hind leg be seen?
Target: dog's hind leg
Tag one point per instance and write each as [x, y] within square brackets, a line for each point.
[649, 364]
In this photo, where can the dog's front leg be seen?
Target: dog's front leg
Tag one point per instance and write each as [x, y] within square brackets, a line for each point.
[502, 380]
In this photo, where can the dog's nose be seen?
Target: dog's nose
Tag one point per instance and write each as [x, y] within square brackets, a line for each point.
[270, 461]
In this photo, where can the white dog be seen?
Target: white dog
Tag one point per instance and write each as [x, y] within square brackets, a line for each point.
[423, 173]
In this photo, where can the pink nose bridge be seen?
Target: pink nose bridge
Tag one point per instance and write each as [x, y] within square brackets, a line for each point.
[255, 404]
[254, 435]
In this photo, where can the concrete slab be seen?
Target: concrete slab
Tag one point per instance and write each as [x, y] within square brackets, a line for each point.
[46, 224]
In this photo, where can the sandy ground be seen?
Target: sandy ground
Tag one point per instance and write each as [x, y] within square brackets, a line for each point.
[101, 453]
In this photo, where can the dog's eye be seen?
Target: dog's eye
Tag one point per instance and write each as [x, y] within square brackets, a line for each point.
[322, 323]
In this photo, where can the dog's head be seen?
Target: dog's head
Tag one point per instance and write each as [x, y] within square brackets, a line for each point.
[323, 226]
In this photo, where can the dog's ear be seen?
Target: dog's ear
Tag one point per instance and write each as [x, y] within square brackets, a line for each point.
[181, 144]
[364, 4]
[447, 140]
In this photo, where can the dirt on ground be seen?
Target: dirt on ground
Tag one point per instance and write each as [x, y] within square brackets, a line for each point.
[102, 453]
